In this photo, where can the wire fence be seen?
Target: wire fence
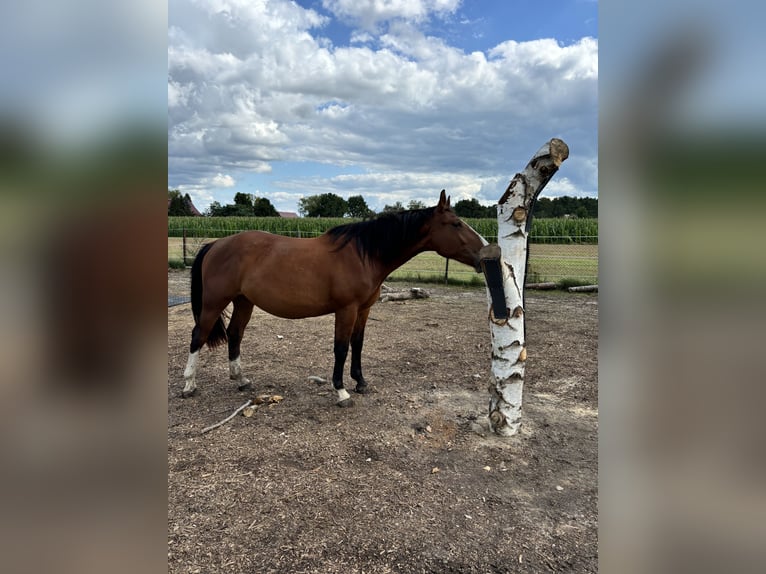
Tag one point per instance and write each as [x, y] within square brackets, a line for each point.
[550, 260]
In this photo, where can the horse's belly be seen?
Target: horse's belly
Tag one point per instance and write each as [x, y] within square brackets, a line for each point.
[292, 309]
[292, 303]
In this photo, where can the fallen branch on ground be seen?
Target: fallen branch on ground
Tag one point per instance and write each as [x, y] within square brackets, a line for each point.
[227, 419]
[583, 288]
[414, 293]
[317, 380]
[544, 285]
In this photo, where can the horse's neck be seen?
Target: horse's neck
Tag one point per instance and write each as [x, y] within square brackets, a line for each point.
[411, 251]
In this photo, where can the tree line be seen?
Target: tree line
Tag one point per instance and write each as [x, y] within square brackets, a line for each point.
[565, 206]
[332, 205]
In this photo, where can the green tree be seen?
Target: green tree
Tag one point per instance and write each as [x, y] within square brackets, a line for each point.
[472, 208]
[566, 205]
[543, 208]
[262, 207]
[416, 204]
[308, 205]
[581, 211]
[395, 207]
[558, 209]
[324, 205]
[591, 205]
[244, 199]
[214, 209]
[229, 210]
[245, 205]
[357, 207]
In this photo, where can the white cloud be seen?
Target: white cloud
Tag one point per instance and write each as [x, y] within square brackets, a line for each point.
[221, 180]
[381, 188]
[252, 84]
[368, 13]
[561, 186]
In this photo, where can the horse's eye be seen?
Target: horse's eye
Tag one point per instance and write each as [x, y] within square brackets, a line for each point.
[456, 224]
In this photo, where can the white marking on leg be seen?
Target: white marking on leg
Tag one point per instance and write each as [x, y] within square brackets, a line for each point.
[190, 372]
[235, 372]
[343, 395]
[235, 369]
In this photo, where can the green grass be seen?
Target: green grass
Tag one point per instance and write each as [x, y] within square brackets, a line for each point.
[557, 263]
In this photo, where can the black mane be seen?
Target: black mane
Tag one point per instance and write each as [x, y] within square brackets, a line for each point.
[384, 237]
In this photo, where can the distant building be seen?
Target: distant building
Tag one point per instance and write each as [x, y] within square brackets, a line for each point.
[288, 214]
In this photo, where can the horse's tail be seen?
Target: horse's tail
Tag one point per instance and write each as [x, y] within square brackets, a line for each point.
[217, 334]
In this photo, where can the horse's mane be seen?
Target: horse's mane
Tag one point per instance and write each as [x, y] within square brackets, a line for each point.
[384, 237]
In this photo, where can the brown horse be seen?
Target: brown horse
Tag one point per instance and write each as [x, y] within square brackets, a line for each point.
[339, 272]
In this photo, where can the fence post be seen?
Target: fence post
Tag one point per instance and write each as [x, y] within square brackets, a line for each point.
[446, 271]
[184, 244]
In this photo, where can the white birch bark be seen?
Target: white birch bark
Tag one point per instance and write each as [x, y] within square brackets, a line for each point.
[509, 350]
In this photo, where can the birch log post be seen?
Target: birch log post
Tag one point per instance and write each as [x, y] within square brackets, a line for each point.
[509, 351]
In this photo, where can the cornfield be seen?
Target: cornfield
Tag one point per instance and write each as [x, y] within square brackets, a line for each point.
[584, 231]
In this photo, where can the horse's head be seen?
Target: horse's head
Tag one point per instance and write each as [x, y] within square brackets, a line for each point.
[450, 237]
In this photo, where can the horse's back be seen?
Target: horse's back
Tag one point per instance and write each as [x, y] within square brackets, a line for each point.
[286, 276]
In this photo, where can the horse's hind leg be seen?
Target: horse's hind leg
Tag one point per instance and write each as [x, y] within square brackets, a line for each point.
[190, 373]
[200, 333]
[243, 310]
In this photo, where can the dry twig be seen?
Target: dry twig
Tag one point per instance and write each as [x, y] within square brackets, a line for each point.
[227, 419]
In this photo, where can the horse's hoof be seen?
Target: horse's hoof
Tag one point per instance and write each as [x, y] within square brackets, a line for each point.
[245, 386]
[362, 389]
[345, 403]
[187, 394]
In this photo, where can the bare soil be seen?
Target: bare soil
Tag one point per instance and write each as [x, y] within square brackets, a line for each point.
[408, 480]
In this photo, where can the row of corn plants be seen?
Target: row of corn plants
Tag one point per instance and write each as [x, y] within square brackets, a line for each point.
[549, 230]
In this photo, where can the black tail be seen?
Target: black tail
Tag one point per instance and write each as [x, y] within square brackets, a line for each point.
[217, 334]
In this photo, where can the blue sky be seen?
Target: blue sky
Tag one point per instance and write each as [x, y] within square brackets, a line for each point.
[391, 99]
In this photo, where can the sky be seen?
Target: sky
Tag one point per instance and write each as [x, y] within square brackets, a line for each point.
[391, 99]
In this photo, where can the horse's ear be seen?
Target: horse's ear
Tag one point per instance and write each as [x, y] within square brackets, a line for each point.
[443, 201]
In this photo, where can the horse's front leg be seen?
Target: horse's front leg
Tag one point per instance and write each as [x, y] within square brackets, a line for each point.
[357, 342]
[344, 325]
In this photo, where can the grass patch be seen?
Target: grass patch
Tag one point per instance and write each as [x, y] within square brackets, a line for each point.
[547, 262]
[477, 280]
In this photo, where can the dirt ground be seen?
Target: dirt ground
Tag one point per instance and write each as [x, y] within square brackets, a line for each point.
[407, 480]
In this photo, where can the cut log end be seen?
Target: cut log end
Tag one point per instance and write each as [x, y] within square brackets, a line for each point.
[490, 251]
[559, 151]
